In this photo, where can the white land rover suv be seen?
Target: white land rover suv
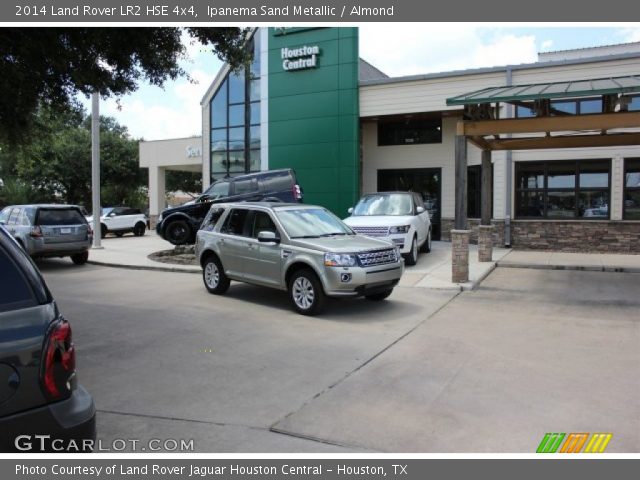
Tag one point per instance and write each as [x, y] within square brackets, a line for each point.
[396, 216]
[120, 220]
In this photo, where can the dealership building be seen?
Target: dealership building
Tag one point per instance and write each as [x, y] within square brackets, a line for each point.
[308, 102]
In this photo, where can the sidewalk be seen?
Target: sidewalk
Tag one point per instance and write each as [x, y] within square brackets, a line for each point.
[596, 262]
[432, 271]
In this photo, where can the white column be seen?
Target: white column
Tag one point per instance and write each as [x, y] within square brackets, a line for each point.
[264, 97]
[617, 187]
[156, 192]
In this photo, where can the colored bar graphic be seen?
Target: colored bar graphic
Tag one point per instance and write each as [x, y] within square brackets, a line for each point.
[598, 443]
[574, 443]
[550, 443]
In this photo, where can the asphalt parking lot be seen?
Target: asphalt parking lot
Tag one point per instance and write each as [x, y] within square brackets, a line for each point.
[491, 370]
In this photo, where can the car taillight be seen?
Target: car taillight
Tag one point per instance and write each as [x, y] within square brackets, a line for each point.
[59, 362]
[297, 193]
[36, 232]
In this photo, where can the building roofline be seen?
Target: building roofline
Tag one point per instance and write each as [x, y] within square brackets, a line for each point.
[625, 44]
[171, 139]
[504, 68]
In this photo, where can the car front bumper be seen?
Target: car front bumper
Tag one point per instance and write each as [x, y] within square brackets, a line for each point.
[52, 427]
[355, 281]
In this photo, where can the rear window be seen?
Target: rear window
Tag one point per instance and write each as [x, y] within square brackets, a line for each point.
[60, 216]
[277, 182]
[15, 292]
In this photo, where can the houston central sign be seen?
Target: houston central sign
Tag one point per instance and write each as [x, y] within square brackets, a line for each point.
[300, 58]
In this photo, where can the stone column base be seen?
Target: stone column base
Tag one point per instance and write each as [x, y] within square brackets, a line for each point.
[460, 256]
[153, 221]
[485, 243]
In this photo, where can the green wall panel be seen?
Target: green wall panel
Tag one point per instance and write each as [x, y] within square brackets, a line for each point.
[314, 115]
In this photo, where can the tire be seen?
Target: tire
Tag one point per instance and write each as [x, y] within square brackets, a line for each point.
[119, 234]
[103, 230]
[426, 246]
[80, 258]
[213, 276]
[139, 229]
[411, 258]
[177, 232]
[306, 293]
[377, 297]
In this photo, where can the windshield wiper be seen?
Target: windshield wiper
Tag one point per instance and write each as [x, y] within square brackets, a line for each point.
[307, 236]
[332, 234]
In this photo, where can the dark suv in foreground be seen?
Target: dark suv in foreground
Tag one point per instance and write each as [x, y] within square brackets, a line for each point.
[179, 225]
[39, 391]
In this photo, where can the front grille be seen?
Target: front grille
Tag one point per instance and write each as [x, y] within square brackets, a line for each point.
[378, 257]
[372, 231]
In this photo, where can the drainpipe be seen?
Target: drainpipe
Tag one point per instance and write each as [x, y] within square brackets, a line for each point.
[509, 173]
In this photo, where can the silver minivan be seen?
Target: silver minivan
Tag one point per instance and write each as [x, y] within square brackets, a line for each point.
[49, 230]
[303, 249]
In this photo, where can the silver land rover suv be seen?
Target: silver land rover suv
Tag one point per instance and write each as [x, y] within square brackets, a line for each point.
[303, 249]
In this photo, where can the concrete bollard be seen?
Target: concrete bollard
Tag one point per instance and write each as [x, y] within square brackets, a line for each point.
[485, 243]
[460, 256]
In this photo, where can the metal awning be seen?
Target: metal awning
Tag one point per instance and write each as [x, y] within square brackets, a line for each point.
[538, 91]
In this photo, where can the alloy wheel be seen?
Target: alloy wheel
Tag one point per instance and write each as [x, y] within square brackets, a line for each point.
[303, 293]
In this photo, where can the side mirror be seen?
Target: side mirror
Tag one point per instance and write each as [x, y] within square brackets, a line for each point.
[268, 237]
[420, 210]
[350, 210]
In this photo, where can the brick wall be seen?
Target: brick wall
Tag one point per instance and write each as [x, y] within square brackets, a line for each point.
[576, 236]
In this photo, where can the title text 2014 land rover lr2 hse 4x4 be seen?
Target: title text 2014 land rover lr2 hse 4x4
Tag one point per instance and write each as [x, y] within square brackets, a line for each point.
[303, 249]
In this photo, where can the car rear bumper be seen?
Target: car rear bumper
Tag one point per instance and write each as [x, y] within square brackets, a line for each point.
[62, 249]
[55, 427]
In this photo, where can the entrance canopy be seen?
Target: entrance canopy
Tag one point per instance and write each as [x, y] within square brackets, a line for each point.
[551, 123]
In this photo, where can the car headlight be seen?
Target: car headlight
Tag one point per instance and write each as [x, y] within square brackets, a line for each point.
[401, 229]
[159, 218]
[339, 259]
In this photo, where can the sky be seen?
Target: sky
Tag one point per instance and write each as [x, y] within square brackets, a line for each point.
[154, 113]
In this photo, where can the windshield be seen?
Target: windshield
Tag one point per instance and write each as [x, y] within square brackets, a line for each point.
[106, 211]
[384, 204]
[311, 223]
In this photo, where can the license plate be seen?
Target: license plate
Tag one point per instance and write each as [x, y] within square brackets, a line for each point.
[65, 230]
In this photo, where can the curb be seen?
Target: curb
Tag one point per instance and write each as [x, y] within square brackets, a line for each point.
[143, 267]
[583, 268]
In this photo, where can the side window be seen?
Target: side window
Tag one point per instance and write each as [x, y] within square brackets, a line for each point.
[4, 215]
[13, 216]
[24, 219]
[16, 292]
[276, 182]
[218, 190]
[262, 223]
[248, 185]
[234, 224]
[212, 218]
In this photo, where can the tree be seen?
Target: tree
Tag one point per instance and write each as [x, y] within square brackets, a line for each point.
[56, 163]
[188, 182]
[51, 66]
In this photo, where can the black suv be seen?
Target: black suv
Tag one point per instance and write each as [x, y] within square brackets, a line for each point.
[179, 225]
[39, 393]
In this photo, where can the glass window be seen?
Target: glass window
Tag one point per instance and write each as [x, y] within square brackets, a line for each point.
[632, 189]
[255, 113]
[219, 107]
[255, 161]
[635, 103]
[530, 175]
[561, 175]
[4, 215]
[236, 88]
[15, 292]
[523, 111]
[311, 222]
[591, 105]
[254, 93]
[398, 204]
[409, 131]
[565, 106]
[236, 138]
[13, 216]
[254, 141]
[235, 222]
[218, 190]
[255, 64]
[474, 175]
[236, 115]
[554, 190]
[219, 139]
[60, 216]
[219, 162]
[236, 162]
[276, 182]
